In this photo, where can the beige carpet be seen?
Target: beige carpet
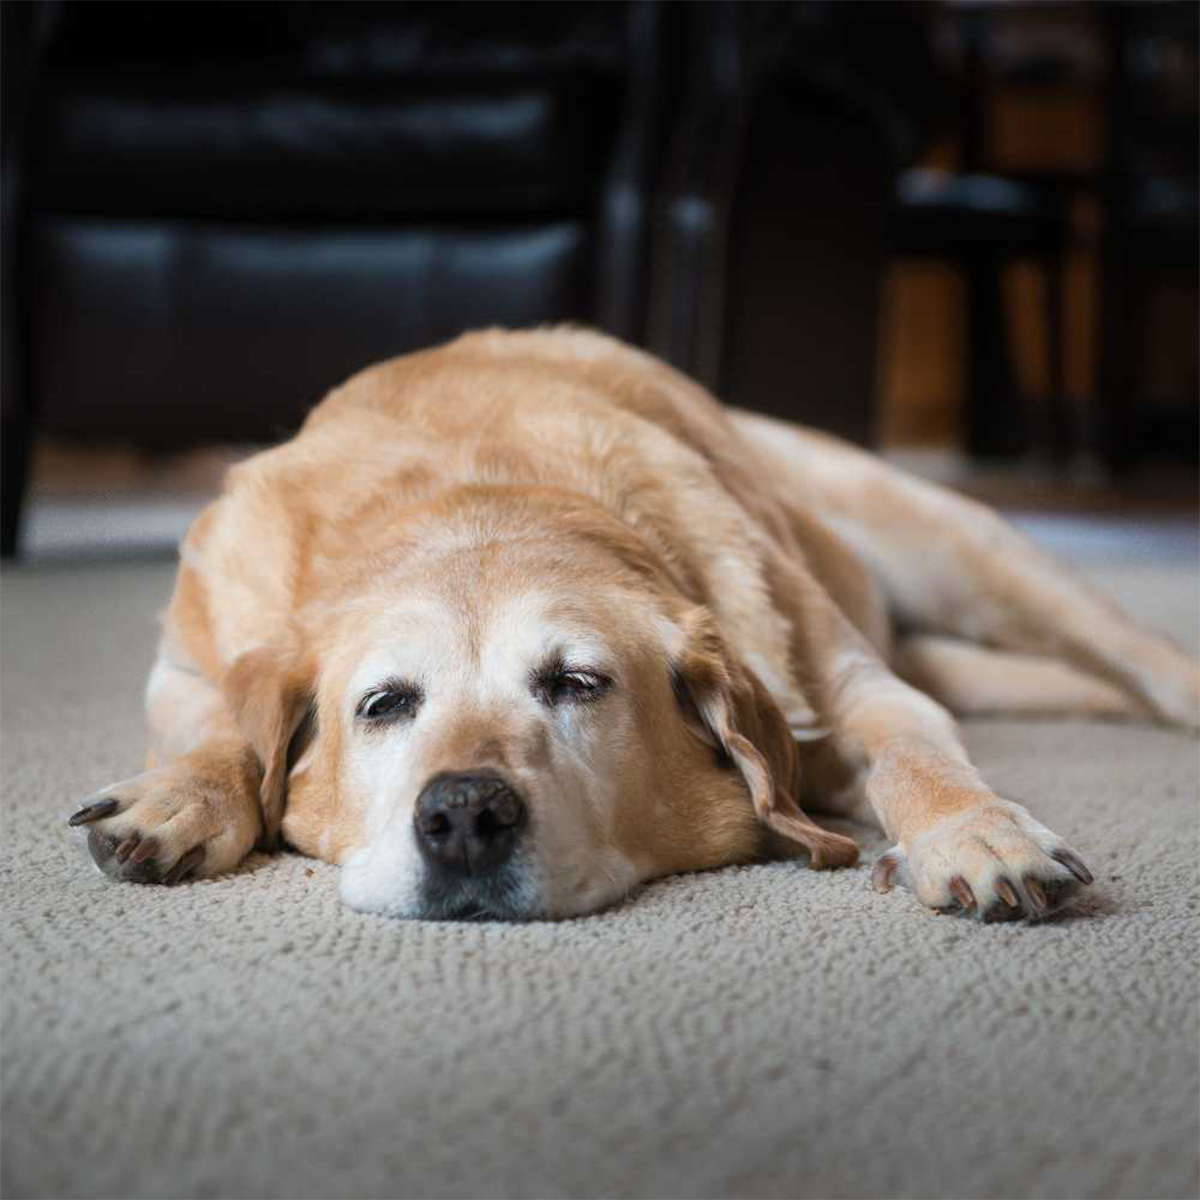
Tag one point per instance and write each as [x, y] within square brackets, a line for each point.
[755, 1032]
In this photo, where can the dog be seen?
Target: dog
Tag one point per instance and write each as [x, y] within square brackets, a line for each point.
[518, 623]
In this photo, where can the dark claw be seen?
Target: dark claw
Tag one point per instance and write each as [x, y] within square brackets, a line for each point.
[93, 812]
[1037, 897]
[135, 869]
[1073, 863]
[147, 849]
[192, 859]
[127, 847]
[1008, 907]
[960, 889]
[882, 871]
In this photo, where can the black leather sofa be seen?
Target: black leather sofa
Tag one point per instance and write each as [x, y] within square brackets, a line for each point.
[215, 211]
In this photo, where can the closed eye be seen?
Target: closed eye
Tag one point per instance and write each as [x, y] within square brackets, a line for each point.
[559, 683]
[396, 700]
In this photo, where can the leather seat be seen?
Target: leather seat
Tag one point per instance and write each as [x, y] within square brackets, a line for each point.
[215, 212]
[285, 151]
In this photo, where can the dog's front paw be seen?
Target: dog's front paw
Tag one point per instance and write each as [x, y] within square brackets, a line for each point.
[994, 862]
[165, 826]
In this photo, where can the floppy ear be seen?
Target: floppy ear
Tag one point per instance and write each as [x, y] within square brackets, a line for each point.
[269, 690]
[727, 706]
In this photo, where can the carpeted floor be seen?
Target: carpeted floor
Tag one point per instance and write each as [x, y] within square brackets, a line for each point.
[755, 1032]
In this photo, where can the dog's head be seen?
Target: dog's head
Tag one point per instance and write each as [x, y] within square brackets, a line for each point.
[518, 717]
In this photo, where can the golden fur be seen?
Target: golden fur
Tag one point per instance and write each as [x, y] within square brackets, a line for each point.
[751, 588]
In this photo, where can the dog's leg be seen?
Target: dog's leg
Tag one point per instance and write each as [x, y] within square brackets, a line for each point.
[984, 582]
[958, 845]
[893, 755]
[195, 812]
[970, 679]
[950, 565]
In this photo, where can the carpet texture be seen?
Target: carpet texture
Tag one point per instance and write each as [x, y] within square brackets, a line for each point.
[760, 1031]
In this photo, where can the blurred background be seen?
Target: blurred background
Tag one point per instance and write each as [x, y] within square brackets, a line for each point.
[964, 234]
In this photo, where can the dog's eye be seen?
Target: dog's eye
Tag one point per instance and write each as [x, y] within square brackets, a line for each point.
[389, 704]
[570, 685]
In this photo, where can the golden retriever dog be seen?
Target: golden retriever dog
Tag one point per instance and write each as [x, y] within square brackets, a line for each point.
[518, 623]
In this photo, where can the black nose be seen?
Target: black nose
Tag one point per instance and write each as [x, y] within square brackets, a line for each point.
[468, 823]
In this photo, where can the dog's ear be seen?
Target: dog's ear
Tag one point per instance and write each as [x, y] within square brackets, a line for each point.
[270, 692]
[727, 706]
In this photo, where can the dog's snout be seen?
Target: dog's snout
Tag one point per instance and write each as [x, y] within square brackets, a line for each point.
[468, 823]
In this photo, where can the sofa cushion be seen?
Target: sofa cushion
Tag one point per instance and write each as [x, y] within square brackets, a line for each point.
[234, 110]
[324, 40]
[165, 333]
[342, 151]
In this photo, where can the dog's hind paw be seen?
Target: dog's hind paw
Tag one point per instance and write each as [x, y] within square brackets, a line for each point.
[993, 863]
[165, 826]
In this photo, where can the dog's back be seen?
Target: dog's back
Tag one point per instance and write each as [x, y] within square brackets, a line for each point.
[551, 408]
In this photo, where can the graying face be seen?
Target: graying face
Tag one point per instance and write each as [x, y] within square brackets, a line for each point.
[485, 745]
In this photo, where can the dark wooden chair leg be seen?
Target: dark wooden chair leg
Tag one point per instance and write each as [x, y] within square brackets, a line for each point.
[1121, 329]
[995, 415]
[1059, 431]
[14, 473]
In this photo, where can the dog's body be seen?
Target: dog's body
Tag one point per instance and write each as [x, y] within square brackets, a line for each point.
[519, 622]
